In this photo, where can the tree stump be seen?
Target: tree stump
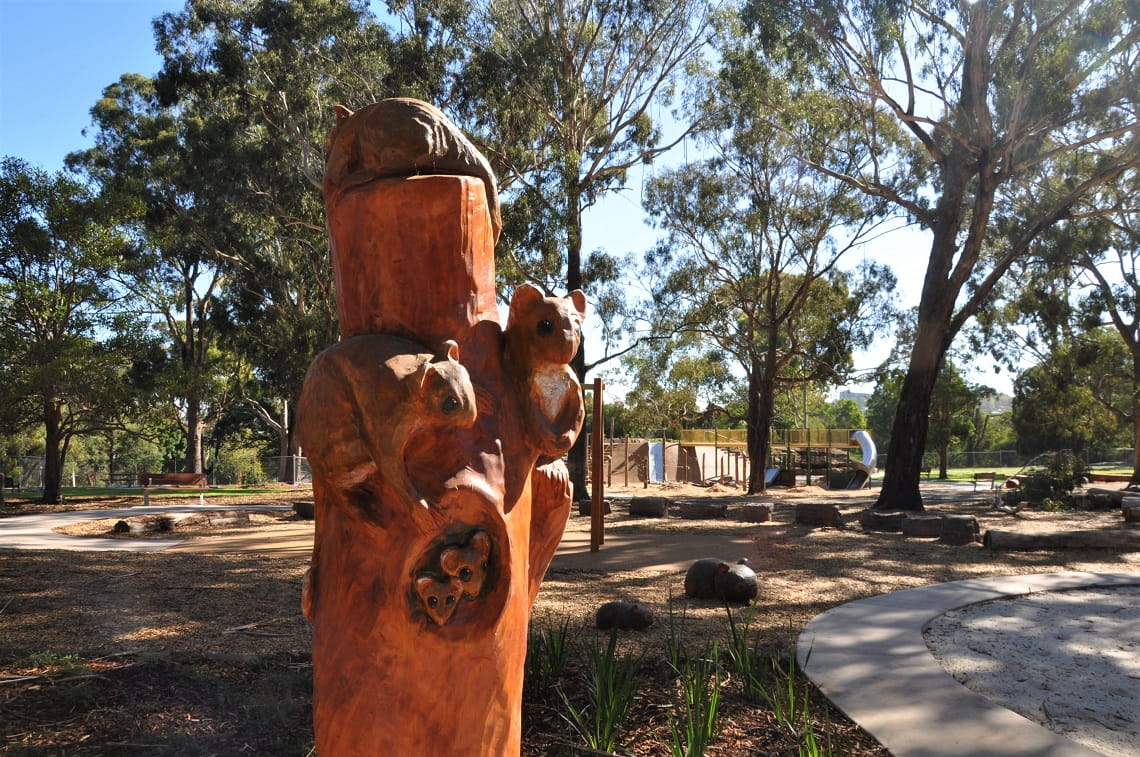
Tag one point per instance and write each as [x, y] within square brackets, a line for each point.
[304, 510]
[1131, 513]
[873, 520]
[435, 437]
[960, 529]
[649, 507]
[819, 514]
[757, 512]
[922, 526]
[704, 510]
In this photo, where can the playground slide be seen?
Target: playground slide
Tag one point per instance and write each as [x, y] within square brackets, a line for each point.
[864, 469]
[770, 475]
[858, 479]
[867, 444]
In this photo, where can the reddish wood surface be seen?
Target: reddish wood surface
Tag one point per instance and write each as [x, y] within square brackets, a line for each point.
[432, 535]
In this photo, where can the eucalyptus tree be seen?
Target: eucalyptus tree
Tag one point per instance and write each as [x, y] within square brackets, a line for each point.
[67, 339]
[566, 98]
[754, 241]
[1079, 397]
[158, 163]
[1001, 99]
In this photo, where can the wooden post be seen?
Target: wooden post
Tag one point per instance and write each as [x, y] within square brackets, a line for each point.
[597, 506]
[627, 460]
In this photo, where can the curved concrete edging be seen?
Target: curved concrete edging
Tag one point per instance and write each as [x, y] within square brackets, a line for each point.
[870, 659]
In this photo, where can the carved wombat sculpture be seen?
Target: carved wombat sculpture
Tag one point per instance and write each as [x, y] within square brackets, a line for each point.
[402, 137]
[542, 337]
[624, 615]
[712, 578]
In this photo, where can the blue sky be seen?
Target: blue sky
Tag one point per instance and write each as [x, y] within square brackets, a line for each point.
[56, 56]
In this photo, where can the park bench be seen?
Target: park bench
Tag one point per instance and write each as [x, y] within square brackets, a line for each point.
[170, 481]
[989, 476]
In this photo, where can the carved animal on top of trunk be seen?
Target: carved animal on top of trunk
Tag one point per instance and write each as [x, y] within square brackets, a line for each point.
[401, 136]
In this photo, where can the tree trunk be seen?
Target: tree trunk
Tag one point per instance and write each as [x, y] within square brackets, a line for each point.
[194, 426]
[576, 458]
[761, 394]
[53, 454]
[943, 462]
[1135, 414]
[912, 419]
[931, 340]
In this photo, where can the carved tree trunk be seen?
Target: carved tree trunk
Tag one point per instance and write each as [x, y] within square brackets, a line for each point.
[434, 526]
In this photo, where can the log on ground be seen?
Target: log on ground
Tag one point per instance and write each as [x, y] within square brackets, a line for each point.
[1117, 538]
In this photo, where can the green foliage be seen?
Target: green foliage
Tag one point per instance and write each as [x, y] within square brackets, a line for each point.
[693, 719]
[611, 684]
[67, 333]
[844, 413]
[746, 656]
[547, 654]
[1031, 116]
[1076, 398]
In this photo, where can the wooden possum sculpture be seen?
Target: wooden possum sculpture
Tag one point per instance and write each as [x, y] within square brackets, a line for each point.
[542, 337]
[373, 392]
[401, 136]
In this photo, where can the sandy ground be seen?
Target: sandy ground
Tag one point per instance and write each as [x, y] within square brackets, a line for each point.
[1068, 660]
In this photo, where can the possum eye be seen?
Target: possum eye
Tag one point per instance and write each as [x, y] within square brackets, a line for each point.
[450, 599]
[433, 601]
[465, 574]
[545, 328]
[450, 404]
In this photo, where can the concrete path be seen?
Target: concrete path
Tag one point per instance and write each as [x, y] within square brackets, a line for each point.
[35, 531]
[870, 658]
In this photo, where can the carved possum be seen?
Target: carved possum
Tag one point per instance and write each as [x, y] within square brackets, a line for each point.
[402, 136]
[364, 398]
[542, 337]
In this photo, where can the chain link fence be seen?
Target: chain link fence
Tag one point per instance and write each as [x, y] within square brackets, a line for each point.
[251, 471]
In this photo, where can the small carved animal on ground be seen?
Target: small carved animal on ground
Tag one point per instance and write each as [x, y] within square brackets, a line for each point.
[624, 615]
[542, 337]
[440, 596]
[364, 397]
[402, 136]
[712, 578]
[467, 564]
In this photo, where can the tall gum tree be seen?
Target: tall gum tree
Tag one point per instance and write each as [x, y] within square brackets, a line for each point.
[62, 362]
[754, 241]
[999, 97]
[263, 79]
[564, 97]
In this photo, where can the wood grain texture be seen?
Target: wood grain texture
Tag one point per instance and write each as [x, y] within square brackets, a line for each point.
[432, 534]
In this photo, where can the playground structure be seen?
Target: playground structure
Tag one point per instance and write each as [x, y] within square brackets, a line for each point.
[837, 458]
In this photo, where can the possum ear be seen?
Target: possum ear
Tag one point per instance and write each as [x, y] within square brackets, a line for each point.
[578, 297]
[524, 298]
[449, 350]
[449, 560]
[341, 112]
[481, 543]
